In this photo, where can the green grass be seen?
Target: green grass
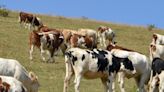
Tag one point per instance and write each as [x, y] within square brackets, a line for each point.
[14, 44]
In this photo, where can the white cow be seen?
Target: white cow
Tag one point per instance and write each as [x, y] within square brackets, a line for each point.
[140, 63]
[11, 67]
[105, 33]
[158, 39]
[156, 50]
[15, 85]
[92, 64]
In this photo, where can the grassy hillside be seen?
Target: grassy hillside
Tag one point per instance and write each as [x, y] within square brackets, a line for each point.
[14, 44]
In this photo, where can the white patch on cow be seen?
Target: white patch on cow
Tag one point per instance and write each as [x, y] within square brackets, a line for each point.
[80, 41]
[51, 36]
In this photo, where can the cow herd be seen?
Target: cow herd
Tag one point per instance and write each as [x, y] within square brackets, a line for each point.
[84, 59]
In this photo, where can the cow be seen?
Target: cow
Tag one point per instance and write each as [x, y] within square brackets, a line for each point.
[140, 63]
[90, 33]
[156, 82]
[105, 33]
[92, 64]
[30, 20]
[50, 41]
[158, 39]
[73, 38]
[156, 50]
[11, 67]
[81, 41]
[12, 84]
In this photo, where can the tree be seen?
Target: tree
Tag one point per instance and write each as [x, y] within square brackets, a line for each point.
[151, 27]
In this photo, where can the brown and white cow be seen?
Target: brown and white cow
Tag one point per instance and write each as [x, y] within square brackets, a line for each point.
[29, 20]
[90, 33]
[156, 50]
[12, 68]
[140, 63]
[50, 41]
[10, 84]
[158, 39]
[105, 33]
[92, 64]
[81, 41]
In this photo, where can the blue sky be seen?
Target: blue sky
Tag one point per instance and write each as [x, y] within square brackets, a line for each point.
[133, 12]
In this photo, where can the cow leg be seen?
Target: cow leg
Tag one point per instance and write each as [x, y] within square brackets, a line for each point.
[110, 83]
[31, 51]
[121, 76]
[50, 54]
[137, 79]
[68, 76]
[42, 52]
[78, 76]
[77, 84]
[104, 82]
[142, 83]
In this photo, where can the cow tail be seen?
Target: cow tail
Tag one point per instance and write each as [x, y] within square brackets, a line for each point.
[68, 61]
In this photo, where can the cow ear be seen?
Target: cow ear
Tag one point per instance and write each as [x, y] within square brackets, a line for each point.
[32, 76]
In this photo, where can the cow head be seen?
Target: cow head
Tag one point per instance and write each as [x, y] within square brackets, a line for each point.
[34, 84]
[154, 38]
[81, 41]
[111, 46]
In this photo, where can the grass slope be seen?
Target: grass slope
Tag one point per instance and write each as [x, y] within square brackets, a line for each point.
[14, 44]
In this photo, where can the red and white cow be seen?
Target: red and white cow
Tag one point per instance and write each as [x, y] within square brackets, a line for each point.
[92, 64]
[105, 33]
[50, 41]
[81, 41]
[29, 20]
[156, 50]
[140, 63]
[158, 39]
[90, 33]
[11, 67]
[12, 84]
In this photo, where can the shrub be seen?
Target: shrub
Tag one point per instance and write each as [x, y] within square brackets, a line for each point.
[4, 12]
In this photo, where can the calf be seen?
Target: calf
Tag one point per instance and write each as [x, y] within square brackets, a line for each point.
[50, 41]
[29, 19]
[92, 64]
[11, 84]
[140, 63]
[77, 40]
[158, 39]
[157, 76]
[90, 33]
[11, 67]
[105, 33]
[156, 50]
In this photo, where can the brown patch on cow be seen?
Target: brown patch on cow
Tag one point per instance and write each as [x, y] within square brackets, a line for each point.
[153, 47]
[74, 40]
[89, 42]
[110, 47]
[101, 29]
[155, 38]
[34, 39]
[4, 86]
